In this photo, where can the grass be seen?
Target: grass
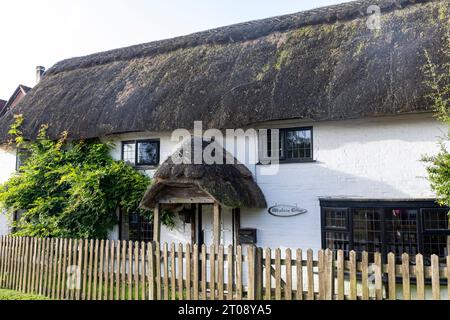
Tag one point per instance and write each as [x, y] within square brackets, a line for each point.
[15, 295]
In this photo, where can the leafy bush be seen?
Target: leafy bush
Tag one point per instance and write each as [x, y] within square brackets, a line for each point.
[69, 189]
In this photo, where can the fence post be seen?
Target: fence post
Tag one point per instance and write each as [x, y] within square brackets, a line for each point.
[212, 271]
[268, 266]
[220, 273]
[188, 272]
[203, 273]
[365, 275]
[310, 274]
[288, 268]
[230, 271]
[353, 283]
[391, 277]
[79, 272]
[158, 270]
[239, 273]
[166, 271]
[378, 276]
[180, 270]
[299, 269]
[435, 283]
[406, 277]
[151, 272]
[420, 277]
[195, 272]
[251, 272]
[278, 287]
[340, 275]
[26, 265]
[321, 269]
[329, 275]
[259, 274]
[173, 273]
[113, 268]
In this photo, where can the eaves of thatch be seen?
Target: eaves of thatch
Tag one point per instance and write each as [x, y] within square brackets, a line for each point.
[323, 64]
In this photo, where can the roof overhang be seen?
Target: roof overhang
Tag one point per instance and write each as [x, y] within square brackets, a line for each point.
[230, 185]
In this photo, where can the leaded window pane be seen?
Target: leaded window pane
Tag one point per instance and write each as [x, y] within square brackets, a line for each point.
[129, 152]
[147, 153]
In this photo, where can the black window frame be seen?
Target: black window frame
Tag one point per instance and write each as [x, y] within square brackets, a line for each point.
[22, 156]
[351, 205]
[136, 150]
[283, 144]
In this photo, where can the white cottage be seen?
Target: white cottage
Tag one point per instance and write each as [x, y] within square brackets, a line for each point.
[344, 92]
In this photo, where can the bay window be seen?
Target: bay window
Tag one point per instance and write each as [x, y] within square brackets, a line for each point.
[386, 226]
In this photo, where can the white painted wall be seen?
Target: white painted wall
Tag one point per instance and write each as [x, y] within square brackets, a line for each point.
[7, 167]
[368, 158]
[372, 158]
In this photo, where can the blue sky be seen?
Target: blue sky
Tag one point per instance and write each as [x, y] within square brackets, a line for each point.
[43, 32]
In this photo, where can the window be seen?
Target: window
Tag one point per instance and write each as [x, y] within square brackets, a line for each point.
[366, 230]
[135, 227]
[129, 152]
[336, 229]
[436, 239]
[141, 152]
[21, 156]
[296, 144]
[401, 231]
[386, 226]
[141, 229]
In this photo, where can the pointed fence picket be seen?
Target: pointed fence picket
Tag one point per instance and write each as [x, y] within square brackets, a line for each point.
[74, 269]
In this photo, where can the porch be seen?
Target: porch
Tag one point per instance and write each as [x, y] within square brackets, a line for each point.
[207, 196]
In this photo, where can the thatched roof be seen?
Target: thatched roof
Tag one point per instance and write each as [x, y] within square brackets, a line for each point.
[322, 64]
[2, 105]
[231, 185]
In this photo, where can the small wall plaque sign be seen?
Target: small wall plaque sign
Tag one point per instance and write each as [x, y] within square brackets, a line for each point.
[286, 211]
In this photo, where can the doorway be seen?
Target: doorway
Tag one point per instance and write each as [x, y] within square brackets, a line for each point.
[228, 223]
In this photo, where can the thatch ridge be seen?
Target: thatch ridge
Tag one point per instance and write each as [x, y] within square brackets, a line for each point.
[318, 65]
[235, 33]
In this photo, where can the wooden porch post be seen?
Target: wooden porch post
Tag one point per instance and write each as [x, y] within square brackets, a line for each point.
[216, 227]
[156, 224]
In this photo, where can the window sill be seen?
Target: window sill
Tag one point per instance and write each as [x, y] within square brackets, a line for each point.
[289, 162]
[141, 167]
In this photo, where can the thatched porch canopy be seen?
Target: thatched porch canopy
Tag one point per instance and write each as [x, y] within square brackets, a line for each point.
[322, 64]
[230, 185]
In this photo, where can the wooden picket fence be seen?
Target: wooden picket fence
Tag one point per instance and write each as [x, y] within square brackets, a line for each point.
[123, 270]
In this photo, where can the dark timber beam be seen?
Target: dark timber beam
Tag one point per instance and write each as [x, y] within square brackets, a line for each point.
[157, 223]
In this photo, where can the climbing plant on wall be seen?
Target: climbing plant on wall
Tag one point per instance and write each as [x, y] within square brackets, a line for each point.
[69, 189]
[438, 80]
